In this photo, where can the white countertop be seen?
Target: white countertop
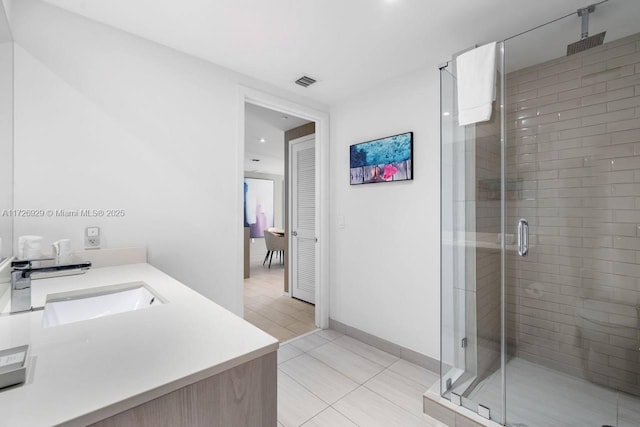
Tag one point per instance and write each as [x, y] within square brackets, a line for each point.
[83, 372]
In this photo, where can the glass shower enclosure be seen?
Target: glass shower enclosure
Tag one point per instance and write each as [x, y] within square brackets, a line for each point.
[540, 230]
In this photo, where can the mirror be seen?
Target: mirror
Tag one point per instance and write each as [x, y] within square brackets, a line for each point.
[6, 137]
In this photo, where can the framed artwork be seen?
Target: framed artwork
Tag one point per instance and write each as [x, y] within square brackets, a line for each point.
[258, 205]
[382, 160]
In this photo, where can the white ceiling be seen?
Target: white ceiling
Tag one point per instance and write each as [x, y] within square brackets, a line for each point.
[263, 123]
[348, 45]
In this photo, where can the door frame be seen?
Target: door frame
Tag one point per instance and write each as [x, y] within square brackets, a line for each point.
[321, 118]
[290, 211]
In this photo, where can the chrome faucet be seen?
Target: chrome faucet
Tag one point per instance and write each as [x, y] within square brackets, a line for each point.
[21, 271]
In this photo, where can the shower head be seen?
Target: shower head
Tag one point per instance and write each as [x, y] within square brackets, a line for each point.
[585, 41]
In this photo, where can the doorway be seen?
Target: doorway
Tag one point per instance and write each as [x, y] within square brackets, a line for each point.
[269, 300]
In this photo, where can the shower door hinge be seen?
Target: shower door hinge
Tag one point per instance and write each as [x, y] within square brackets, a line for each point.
[456, 399]
[464, 342]
[484, 412]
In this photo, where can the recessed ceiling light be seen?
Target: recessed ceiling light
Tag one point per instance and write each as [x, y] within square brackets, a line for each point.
[262, 140]
[446, 113]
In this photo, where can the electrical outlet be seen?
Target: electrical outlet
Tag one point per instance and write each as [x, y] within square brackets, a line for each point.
[92, 238]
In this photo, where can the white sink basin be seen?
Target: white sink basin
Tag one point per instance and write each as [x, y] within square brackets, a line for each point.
[76, 306]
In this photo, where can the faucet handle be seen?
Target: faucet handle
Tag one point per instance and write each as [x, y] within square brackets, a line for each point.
[47, 258]
[21, 264]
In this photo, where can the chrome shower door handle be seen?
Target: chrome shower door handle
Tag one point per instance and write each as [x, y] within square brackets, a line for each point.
[523, 237]
[525, 240]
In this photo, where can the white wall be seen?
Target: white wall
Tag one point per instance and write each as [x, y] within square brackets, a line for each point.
[106, 120]
[385, 261]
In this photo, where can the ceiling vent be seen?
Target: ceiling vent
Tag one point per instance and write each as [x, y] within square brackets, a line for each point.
[305, 81]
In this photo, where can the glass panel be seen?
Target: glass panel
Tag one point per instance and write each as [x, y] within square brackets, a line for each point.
[471, 256]
[573, 156]
[453, 239]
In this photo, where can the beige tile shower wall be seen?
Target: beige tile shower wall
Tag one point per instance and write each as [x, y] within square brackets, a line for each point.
[487, 227]
[574, 153]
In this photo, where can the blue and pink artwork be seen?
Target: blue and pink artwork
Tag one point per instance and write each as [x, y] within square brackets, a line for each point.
[382, 160]
[258, 205]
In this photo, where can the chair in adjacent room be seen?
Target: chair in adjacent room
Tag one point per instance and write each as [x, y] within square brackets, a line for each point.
[275, 243]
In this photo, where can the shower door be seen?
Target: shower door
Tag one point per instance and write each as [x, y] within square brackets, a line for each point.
[541, 231]
[573, 174]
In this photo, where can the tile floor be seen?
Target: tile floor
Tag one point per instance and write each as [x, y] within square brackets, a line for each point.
[329, 379]
[267, 307]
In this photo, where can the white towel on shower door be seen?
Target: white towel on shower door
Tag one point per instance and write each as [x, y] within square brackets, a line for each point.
[476, 71]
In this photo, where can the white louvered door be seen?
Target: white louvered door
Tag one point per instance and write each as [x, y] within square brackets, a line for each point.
[303, 219]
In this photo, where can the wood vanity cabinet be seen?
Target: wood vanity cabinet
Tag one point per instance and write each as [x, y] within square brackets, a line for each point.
[243, 396]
